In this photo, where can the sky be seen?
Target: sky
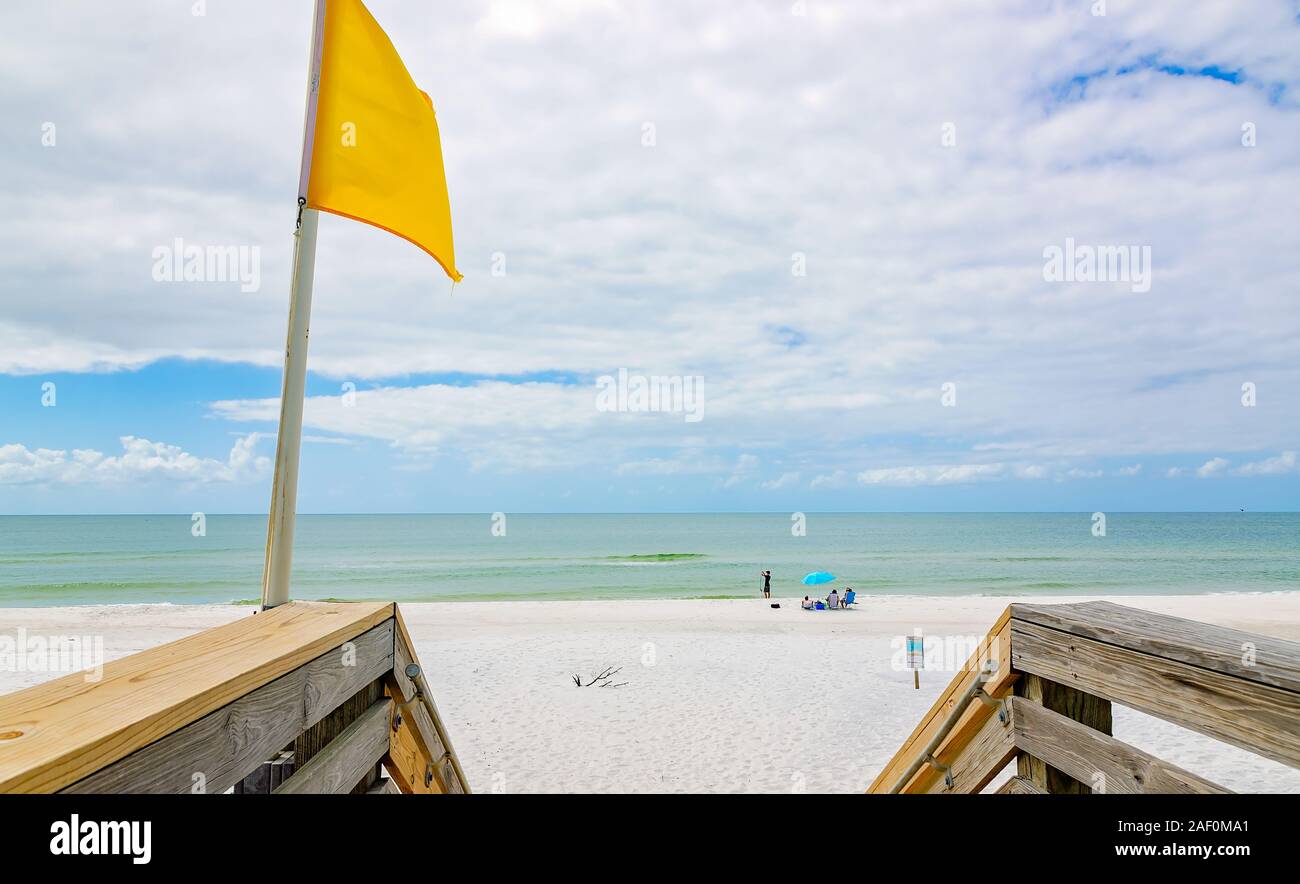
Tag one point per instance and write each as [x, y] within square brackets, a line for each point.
[842, 228]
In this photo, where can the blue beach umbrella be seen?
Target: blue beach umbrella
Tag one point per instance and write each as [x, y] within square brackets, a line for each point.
[817, 577]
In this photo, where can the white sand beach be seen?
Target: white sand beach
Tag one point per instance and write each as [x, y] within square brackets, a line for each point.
[717, 696]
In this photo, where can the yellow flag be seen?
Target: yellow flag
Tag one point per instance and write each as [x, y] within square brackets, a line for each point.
[374, 153]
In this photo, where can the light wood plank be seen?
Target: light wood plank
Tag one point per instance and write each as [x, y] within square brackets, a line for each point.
[974, 762]
[60, 732]
[997, 647]
[1019, 786]
[407, 762]
[1257, 658]
[404, 689]
[235, 740]
[1102, 762]
[347, 758]
[1257, 717]
[429, 726]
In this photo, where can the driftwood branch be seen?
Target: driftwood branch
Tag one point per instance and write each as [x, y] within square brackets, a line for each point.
[603, 679]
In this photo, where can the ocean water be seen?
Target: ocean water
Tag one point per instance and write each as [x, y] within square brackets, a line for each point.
[64, 560]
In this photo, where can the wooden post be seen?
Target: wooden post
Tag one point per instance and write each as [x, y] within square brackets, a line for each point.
[1084, 708]
[256, 783]
[266, 778]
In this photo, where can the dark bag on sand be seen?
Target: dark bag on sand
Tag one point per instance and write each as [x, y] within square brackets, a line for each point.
[774, 605]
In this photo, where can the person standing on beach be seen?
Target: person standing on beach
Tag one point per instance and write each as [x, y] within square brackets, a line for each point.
[767, 584]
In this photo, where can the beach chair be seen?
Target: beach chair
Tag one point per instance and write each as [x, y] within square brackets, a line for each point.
[850, 598]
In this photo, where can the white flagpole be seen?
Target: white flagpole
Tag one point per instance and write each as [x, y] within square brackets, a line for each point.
[284, 489]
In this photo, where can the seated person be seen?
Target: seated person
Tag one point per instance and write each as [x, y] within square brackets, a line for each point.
[806, 604]
[833, 600]
[849, 596]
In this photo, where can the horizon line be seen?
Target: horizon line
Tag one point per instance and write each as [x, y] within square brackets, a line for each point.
[672, 513]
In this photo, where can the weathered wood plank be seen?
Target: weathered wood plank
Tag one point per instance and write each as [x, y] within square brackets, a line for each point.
[1092, 757]
[448, 771]
[59, 732]
[1258, 717]
[232, 742]
[428, 724]
[1019, 786]
[313, 740]
[1257, 658]
[372, 777]
[974, 762]
[345, 759]
[997, 647]
[1091, 711]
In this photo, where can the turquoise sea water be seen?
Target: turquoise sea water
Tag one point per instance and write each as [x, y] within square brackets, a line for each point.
[61, 560]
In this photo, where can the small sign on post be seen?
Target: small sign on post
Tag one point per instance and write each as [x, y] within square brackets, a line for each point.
[916, 657]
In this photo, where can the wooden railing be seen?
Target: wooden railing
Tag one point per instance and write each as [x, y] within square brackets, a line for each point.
[305, 697]
[1051, 673]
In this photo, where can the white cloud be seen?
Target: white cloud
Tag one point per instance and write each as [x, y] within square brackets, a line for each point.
[934, 475]
[1212, 467]
[140, 460]
[1129, 470]
[785, 480]
[497, 424]
[1077, 473]
[675, 259]
[1284, 463]
[685, 465]
[837, 479]
[744, 469]
[960, 474]
[1029, 471]
[520, 19]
